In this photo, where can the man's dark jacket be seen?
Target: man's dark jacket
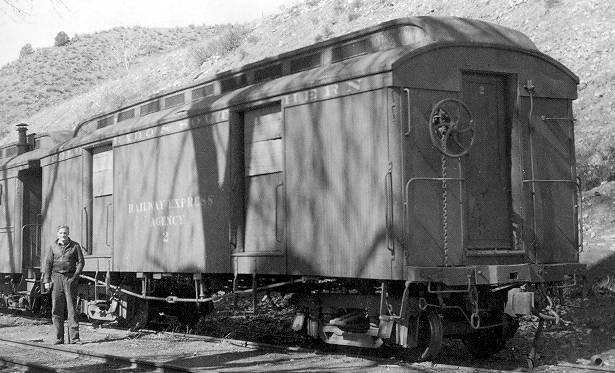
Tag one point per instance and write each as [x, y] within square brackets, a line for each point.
[67, 259]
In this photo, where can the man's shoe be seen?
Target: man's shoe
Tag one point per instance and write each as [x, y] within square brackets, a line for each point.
[75, 341]
[58, 342]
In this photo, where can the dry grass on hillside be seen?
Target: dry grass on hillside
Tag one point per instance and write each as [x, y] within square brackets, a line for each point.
[51, 76]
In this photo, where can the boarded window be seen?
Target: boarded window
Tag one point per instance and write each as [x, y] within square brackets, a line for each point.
[263, 141]
[264, 157]
[264, 179]
[102, 171]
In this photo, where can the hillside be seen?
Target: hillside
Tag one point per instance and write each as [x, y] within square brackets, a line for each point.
[51, 75]
[56, 88]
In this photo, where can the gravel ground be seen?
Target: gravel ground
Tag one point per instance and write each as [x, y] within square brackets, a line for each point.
[587, 332]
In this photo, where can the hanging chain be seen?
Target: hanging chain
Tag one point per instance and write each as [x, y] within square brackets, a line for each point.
[443, 161]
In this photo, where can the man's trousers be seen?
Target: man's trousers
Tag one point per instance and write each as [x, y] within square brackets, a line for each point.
[64, 299]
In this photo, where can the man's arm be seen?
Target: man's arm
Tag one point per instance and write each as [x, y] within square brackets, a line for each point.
[80, 262]
[47, 264]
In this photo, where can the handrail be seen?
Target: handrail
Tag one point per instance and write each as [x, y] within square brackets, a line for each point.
[407, 129]
[277, 218]
[578, 206]
[107, 224]
[86, 226]
[549, 181]
[23, 227]
[388, 193]
[415, 179]
[545, 118]
[530, 88]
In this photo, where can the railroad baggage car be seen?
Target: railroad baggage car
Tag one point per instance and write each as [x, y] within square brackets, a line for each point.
[407, 182]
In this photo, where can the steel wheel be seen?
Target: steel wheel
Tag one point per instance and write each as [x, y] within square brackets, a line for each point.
[430, 335]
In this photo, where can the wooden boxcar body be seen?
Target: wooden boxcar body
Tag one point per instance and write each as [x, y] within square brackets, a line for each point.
[21, 214]
[319, 163]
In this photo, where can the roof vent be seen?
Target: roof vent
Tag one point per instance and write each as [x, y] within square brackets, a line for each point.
[305, 63]
[104, 122]
[126, 114]
[175, 100]
[233, 82]
[150, 107]
[268, 73]
[204, 91]
[350, 50]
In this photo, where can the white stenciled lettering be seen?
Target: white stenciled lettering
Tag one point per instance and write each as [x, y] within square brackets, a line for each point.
[331, 90]
[169, 204]
[354, 84]
[166, 220]
[134, 208]
[312, 94]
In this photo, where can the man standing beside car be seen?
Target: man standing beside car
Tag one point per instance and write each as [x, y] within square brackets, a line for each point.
[61, 269]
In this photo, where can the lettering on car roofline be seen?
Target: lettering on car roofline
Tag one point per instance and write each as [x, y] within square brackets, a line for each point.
[324, 92]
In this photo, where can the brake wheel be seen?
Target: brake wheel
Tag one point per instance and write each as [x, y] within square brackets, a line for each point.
[451, 127]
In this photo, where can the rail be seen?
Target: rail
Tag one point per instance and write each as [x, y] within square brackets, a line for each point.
[130, 363]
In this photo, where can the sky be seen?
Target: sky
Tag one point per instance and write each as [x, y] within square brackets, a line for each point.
[41, 20]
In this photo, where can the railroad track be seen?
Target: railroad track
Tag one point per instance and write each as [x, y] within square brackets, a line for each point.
[71, 358]
[63, 359]
[567, 367]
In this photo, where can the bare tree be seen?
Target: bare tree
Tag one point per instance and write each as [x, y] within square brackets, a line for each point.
[126, 51]
[23, 8]
[16, 7]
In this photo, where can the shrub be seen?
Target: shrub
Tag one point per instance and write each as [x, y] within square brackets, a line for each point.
[199, 54]
[353, 14]
[61, 39]
[338, 8]
[26, 50]
[355, 4]
[228, 41]
[324, 35]
[596, 167]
